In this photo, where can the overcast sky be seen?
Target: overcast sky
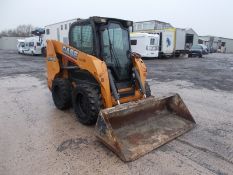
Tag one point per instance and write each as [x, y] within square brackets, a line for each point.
[206, 17]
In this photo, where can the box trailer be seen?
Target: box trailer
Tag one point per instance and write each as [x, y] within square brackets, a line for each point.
[172, 41]
[167, 42]
[175, 41]
[180, 37]
[147, 45]
[57, 31]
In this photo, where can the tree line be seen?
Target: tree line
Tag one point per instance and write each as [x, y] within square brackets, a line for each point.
[20, 31]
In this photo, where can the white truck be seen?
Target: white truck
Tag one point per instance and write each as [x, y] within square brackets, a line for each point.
[175, 41]
[32, 46]
[147, 45]
[20, 45]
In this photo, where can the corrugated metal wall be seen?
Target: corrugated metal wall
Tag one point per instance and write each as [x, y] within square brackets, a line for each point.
[8, 43]
[229, 44]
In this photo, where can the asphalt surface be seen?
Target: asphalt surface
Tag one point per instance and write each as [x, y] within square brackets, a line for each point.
[36, 138]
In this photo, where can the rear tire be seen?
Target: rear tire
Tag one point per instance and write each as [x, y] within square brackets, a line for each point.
[190, 55]
[61, 93]
[147, 88]
[44, 52]
[87, 103]
[200, 55]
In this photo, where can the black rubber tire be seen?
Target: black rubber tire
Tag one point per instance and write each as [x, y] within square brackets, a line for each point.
[87, 103]
[147, 88]
[44, 52]
[61, 93]
[200, 55]
[190, 55]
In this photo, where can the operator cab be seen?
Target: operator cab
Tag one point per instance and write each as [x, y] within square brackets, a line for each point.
[107, 39]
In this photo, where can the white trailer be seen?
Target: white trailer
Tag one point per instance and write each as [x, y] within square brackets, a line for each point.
[167, 42]
[32, 46]
[59, 31]
[175, 41]
[147, 45]
[180, 35]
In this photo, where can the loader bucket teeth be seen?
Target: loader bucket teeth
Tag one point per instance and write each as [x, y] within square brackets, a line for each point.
[136, 128]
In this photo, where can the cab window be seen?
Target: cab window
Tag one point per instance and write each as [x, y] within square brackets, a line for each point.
[82, 38]
[152, 41]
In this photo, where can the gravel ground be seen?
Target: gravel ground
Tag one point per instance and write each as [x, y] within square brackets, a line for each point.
[36, 138]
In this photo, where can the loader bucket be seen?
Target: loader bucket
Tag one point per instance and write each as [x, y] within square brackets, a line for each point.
[136, 128]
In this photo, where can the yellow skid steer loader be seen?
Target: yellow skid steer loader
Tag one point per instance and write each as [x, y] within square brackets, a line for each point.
[106, 84]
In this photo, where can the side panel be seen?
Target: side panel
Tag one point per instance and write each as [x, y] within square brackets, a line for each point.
[180, 39]
[53, 67]
[140, 47]
[168, 42]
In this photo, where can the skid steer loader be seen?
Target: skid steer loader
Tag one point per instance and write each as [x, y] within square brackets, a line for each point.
[106, 84]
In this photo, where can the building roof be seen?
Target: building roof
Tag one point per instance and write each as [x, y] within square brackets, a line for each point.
[135, 34]
[216, 37]
[62, 21]
[153, 21]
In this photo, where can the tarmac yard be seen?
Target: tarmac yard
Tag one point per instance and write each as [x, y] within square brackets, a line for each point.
[36, 138]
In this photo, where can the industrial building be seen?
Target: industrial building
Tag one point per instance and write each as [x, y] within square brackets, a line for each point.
[217, 44]
[180, 40]
[150, 25]
[9, 43]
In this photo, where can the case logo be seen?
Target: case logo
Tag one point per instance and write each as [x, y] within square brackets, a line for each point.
[70, 52]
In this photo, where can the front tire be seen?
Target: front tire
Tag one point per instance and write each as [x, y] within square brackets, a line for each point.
[87, 103]
[61, 93]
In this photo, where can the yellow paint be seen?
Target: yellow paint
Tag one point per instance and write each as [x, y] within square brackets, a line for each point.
[94, 66]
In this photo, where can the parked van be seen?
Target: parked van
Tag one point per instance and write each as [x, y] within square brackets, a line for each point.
[147, 45]
[20, 45]
[32, 46]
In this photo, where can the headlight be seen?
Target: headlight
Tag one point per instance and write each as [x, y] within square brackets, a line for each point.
[152, 48]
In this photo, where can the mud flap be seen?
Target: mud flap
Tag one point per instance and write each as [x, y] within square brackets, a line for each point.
[136, 128]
